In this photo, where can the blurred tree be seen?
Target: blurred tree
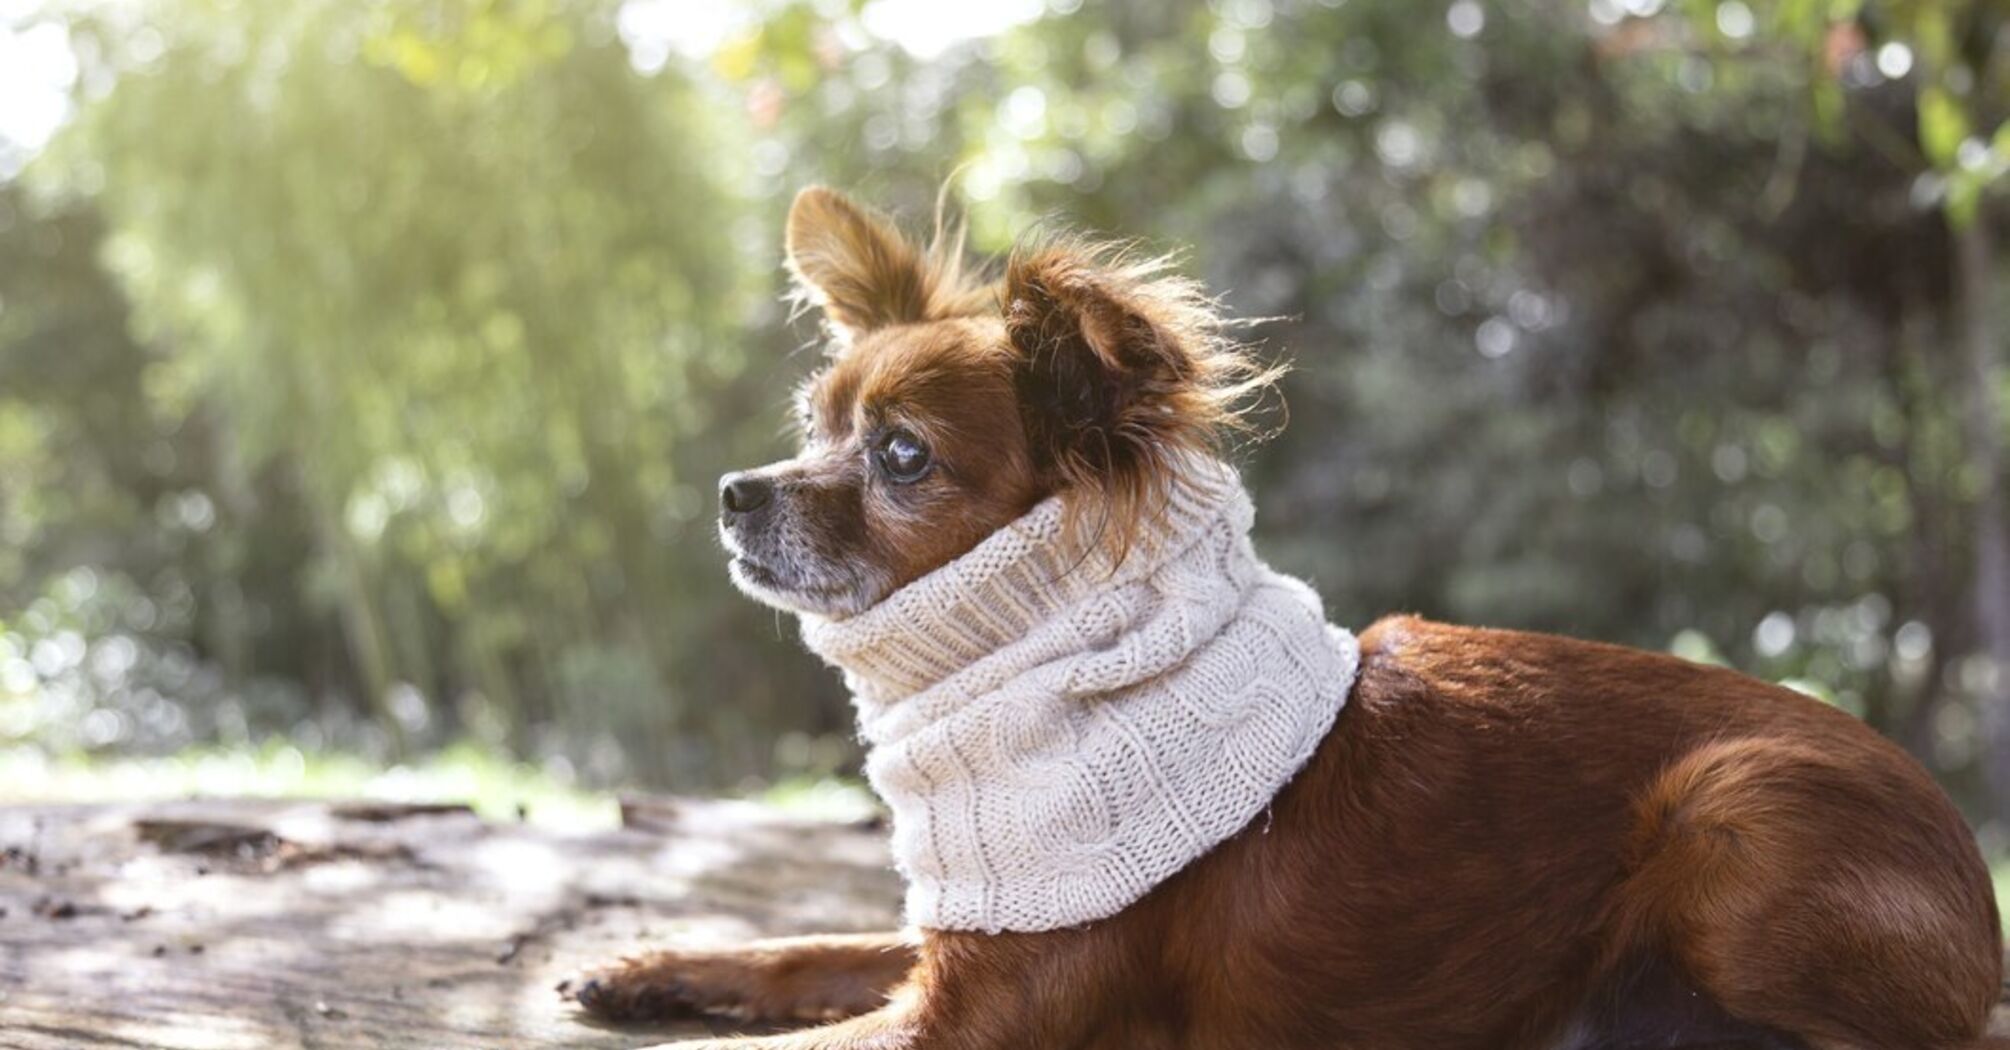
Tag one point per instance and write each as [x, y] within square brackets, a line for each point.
[453, 266]
[1715, 395]
[1658, 322]
[1955, 55]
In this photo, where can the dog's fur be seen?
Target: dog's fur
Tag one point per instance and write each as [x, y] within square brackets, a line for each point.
[1506, 841]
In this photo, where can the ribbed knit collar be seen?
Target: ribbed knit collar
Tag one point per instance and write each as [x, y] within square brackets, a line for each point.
[1056, 735]
[1010, 583]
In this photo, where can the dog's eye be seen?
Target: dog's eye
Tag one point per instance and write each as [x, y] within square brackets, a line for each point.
[903, 457]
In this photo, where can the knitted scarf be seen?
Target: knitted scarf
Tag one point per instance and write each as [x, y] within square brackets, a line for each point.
[1056, 736]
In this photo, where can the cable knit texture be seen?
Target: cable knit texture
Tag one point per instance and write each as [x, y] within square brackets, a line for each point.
[1055, 737]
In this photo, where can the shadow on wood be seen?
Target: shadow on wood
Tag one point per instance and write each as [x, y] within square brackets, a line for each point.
[244, 924]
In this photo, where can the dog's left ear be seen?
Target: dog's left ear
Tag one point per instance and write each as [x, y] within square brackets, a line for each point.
[1123, 371]
[865, 274]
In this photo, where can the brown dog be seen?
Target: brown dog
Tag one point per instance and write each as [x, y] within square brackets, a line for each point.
[1506, 840]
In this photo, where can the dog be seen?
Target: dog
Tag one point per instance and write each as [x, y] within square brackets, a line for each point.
[1495, 840]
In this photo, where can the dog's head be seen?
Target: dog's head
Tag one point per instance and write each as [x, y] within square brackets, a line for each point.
[952, 403]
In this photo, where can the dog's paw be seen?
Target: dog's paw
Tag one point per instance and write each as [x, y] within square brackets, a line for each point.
[718, 1044]
[637, 990]
[672, 985]
[788, 981]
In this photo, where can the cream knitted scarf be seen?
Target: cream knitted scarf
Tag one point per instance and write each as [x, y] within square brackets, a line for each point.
[1056, 738]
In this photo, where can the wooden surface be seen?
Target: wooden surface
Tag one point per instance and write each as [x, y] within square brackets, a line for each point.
[256, 925]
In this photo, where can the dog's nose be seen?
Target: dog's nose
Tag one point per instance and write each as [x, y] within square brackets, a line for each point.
[744, 492]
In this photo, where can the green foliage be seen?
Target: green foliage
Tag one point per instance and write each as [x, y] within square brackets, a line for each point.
[447, 278]
[387, 352]
[498, 788]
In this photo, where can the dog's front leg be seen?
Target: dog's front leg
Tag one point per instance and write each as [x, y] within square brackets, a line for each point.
[791, 979]
[973, 991]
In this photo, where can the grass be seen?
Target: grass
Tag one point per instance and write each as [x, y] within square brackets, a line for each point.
[497, 787]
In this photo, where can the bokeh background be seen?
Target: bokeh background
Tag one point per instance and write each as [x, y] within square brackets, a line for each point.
[366, 367]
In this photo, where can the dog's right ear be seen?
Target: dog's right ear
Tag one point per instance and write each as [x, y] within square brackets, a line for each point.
[861, 271]
[1124, 371]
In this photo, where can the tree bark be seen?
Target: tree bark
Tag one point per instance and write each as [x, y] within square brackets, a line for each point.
[280, 925]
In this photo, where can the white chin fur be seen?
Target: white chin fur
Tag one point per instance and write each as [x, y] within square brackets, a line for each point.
[759, 584]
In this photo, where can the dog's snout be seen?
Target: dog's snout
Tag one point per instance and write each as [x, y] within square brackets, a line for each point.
[744, 492]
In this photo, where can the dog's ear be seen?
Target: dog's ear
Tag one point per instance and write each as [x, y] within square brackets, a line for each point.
[865, 274]
[1123, 371]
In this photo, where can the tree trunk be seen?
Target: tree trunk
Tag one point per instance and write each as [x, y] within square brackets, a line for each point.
[361, 625]
[1980, 336]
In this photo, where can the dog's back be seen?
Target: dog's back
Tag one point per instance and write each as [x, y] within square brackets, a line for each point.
[1504, 840]
[1509, 837]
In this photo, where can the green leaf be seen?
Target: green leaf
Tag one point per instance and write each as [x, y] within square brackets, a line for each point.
[1933, 35]
[1942, 126]
[1964, 198]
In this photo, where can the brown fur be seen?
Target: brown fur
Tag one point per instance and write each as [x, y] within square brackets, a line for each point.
[1506, 841]
[1123, 368]
[952, 387]
[799, 979]
[865, 275]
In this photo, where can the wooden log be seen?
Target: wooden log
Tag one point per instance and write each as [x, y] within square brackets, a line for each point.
[219, 925]
[254, 925]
